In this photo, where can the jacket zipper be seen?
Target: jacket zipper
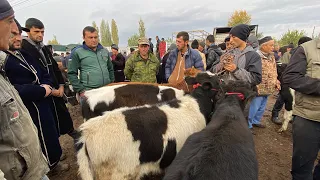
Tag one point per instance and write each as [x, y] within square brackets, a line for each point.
[88, 74]
[100, 67]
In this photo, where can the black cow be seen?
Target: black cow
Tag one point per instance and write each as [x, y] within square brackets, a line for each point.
[224, 150]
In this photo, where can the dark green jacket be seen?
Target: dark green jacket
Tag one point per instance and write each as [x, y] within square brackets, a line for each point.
[96, 68]
[139, 70]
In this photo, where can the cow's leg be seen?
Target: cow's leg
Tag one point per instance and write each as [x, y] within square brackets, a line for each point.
[289, 103]
[287, 118]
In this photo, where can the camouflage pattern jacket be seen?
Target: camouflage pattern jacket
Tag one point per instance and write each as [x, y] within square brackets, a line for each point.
[140, 70]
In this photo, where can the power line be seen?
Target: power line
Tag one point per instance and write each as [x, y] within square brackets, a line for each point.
[31, 5]
[19, 3]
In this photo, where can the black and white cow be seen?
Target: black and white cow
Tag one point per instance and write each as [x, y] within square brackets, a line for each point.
[112, 97]
[224, 150]
[287, 95]
[140, 142]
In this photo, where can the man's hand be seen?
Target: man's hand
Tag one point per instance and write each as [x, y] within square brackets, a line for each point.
[48, 89]
[61, 91]
[82, 94]
[55, 93]
[230, 67]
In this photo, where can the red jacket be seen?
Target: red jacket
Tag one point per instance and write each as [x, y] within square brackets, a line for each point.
[162, 48]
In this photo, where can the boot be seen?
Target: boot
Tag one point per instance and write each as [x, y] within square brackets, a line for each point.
[276, 120]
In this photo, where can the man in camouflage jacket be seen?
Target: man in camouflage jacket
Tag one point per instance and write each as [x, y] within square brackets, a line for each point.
[142, 66]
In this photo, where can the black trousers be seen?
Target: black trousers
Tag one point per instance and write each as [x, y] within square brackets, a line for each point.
[306, 145]
[277, 106]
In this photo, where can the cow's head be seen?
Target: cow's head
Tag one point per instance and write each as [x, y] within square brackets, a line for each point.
[206, 85]
[242, 90]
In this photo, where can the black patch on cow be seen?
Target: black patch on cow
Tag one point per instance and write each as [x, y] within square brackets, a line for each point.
[169, 154]
[130, 95]
[100, 108]
[86, 111]
[78, 146]
[167, 95]
[147, 125]
[174, 103]
[153, 176]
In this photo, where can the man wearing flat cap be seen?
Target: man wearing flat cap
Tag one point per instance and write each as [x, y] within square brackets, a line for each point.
[20, 152]
[246, 65]
[118, 63]
[269, 83]
[143, 65]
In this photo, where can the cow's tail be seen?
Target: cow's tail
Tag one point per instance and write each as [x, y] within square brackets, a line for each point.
[85, 167]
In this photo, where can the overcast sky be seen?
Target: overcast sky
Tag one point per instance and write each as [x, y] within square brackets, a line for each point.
[67, 18]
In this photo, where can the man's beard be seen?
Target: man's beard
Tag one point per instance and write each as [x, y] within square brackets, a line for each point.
[12, 48]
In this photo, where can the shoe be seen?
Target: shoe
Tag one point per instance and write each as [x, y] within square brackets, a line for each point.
[252, 131]
[63, 156]
[276, 120]
[60, 167]
[259, 125]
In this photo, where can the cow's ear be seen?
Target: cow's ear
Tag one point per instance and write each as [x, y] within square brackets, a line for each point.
[190, 80]
[207, 86]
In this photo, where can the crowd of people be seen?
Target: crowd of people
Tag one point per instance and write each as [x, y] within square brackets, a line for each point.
[34, 114]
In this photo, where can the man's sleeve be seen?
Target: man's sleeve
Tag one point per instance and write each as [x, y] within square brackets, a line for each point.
[198, 62]
[295, 75]
[73, 67]
[30, 92]
[110, 69]
[168, 67]
[253, 72]
[58, 72]
[128, 69]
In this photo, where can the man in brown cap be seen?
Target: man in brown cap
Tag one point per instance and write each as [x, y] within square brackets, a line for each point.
[143, 65]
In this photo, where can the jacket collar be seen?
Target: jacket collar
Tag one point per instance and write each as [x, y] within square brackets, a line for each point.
[139, 58]
[263, 55]
[187, 53]
[37, 45]
[99, 47]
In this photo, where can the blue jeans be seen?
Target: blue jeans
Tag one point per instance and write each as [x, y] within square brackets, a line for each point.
[257, 108]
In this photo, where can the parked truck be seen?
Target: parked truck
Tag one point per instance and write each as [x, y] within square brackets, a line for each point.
[220, 33]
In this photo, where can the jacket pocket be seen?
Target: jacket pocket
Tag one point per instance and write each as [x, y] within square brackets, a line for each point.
[22, 162]
[88, 77]
[10, 113]
[315, 69]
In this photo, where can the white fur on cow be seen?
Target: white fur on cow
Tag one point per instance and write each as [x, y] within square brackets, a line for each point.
[140, 142]
[125, 154]
[112, 97]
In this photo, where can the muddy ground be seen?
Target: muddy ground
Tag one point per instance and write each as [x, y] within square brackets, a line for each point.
[274, 150]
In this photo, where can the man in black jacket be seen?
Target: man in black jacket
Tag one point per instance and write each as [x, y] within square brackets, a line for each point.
[303, 75]
[35, 47]
[213, 53]
[118, 64]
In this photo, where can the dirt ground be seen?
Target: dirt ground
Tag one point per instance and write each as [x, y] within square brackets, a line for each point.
[274, 150]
